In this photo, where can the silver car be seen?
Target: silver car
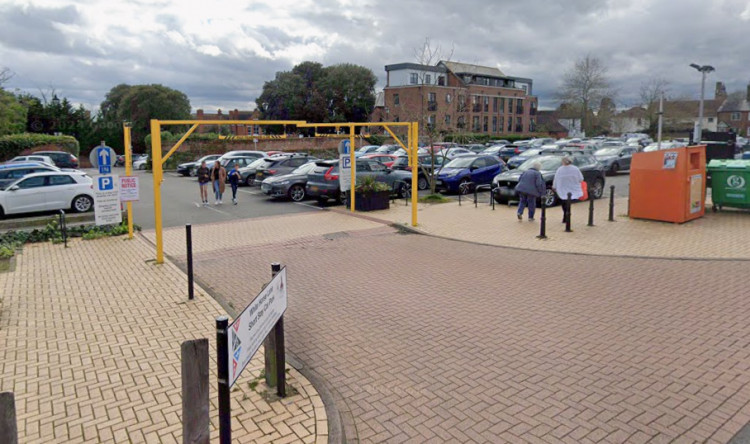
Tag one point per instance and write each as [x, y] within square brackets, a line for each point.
[290, 185]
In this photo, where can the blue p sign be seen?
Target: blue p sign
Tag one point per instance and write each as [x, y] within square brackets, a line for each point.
[106, 183]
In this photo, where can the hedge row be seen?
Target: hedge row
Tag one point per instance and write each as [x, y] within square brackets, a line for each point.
[483, 138]
[12, 145]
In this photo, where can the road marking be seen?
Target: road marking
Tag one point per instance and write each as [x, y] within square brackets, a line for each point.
[308, 205]
[255, 193]
[213, 208]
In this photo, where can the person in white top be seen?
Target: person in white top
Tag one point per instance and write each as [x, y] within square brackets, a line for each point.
[568, 179]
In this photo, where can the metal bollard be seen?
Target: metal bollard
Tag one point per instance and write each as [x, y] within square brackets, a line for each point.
[543, 226]
[566, 213]
[612, 203]
[189, 242]
[492, 198]
[591, 211]
[475, 196]
[64, 228]
[459, 198]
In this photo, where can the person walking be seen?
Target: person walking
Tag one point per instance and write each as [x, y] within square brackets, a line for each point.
[203, 174]
[218, 178]
[568, 179]
[530, 187]
[234, 181]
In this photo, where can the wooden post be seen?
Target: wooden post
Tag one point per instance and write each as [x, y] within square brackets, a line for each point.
[195, 404]
[270, 345]
[8, 427]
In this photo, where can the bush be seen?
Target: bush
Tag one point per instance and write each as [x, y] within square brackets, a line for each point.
[14, 240]
[12, 145]
[375, 139]
[368, 184]
[483, 138]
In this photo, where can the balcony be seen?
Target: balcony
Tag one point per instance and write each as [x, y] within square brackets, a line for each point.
[431, 106]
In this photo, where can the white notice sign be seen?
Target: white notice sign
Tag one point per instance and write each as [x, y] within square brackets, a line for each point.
[128, 188]
[345, 172]
[250, 328]
[106, 200]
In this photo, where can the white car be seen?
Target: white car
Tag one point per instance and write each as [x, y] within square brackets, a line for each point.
[55, 190]
[33, 158]
[140, 163]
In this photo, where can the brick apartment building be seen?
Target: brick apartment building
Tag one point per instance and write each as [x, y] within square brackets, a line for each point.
[453, 96]
[237, 130]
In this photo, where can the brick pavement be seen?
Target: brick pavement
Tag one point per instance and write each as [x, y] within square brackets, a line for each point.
[714, 236]
[95, 358]
[432, 340]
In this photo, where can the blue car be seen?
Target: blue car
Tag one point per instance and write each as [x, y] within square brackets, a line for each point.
[464, 172]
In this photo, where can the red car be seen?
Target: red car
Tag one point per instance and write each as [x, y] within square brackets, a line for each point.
[385, 159]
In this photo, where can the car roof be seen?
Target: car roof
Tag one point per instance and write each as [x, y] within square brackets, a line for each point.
[54, 173]
[9, 166]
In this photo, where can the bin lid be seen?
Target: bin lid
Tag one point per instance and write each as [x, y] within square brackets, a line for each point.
[735, 164]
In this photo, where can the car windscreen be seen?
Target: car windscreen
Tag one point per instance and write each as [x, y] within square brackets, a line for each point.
[256, 163]
[460, 162]
[607, 152]
[549, 163]
[304, 169]
[530, 153]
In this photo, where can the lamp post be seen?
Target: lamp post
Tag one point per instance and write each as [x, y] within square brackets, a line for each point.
[705, 69]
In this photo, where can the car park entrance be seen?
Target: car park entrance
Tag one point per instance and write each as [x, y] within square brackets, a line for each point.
[159, 159]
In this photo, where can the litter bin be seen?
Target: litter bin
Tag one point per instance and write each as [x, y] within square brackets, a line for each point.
[729, 183]
[668, 185]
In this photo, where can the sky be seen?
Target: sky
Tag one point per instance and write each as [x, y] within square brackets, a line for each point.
[221, 52]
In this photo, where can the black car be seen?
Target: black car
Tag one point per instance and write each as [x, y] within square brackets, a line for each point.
[62, 159]
[189, 168]
[278, 165]
[323, 180]
[290, 185]
[425, 168]
[593, 174]
[615, 159]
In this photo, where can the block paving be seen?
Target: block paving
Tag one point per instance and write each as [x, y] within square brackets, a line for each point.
[90, 345]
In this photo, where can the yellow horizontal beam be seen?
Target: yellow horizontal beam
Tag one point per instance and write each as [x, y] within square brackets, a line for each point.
[345, 125]
[231, 122]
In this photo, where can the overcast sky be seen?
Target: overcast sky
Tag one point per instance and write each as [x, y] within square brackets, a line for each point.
[221, 55]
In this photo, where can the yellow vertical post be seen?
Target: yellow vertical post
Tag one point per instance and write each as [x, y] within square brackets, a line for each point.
[354, 168]
[414, 140]
[128, 172]
[157, 173]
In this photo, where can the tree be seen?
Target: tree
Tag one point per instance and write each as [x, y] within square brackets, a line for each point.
[5, 75]
[12, 114]
[349, 92]
[138, 104]
[585, 84]
[650, 92]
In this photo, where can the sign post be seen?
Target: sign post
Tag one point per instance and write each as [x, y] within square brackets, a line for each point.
[346, 167]
[107, 200]
[225, 412]
[128, 173]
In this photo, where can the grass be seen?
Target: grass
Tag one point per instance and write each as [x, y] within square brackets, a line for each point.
[434, 198]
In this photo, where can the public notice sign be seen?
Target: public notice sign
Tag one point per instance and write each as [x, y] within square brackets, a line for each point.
[107, 200]
[128, 188]
[247, 332]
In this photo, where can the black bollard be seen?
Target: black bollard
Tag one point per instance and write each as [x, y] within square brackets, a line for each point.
[612, 203]
[566, 213]
[459, 198]
[543, 226]
[64, 228]
[475, 197]
[591, 211]
[189, 242]
[492, 198]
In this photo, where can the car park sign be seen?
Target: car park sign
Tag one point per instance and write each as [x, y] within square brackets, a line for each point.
[345, 165]
[107, 200]
[250, 328]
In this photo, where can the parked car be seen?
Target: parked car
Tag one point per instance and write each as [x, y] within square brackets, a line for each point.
[323, 180]
[458, 174]
[367, 149]
[494, 149]
[387, 149]
[189, 168]
[291, 185]
[280, 165]
[33, 158]
[11, 172]
[511, 150]
[425, 168]
[61, 159]
[54, 190]
[140, 162]
[516, 161]
[475, 148]
[593, 174]
[248, 172]
[244, 153]
[615, 159]
[385, 159]
[452, 153]
[120, 160]
[228, 162]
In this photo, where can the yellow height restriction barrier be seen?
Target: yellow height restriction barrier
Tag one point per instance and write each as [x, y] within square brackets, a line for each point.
[158, 159]
[128, 172]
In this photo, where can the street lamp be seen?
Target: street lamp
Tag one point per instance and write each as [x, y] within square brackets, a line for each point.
[705, 69]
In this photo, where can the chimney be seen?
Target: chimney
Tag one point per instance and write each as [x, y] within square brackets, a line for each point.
[199, 114]
[748, 92]
[721, 91]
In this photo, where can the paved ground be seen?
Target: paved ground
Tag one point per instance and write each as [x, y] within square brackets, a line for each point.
[424, 339]
[90, 345]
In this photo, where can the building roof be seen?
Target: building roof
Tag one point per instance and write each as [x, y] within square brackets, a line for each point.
[416, 66]
[689, 108]
[548, 121]
[635, 112]
[735, 103]
[466, 68]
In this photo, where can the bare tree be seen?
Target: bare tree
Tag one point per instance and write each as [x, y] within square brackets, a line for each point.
[585, 84]
[5, 75]
[650, 92]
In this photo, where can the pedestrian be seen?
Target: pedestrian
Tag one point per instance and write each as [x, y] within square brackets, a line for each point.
[568, 179]
[234, 181]
[530, 187]
[218, 178]
[203, 174]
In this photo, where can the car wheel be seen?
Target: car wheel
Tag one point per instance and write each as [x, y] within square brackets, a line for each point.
[614, 168]
[191, 172]
[549, 198]
[82, 204]
[142, 167]
[422, 183]
[2, 213]
[597, 189]
[297, 193]
[322, 200]
[249, 181]
[464, 187]
[404, 190]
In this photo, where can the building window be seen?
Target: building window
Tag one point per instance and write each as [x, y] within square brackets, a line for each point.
[710, 120]
[502, 106]
[441, 80]
[475, 105]
[500, 123]
[486, 104]
[494, 104]
[396, 101]
[461, 103]
[427, 79]
[510, 106]
[532, 109]
[461, 122]
[431, 102]
[519, 125]
[519, 106]
[475, 124]
[532, 125]
[448, 98]
[447, 120]
[413, 78]
[735, 116]
[510, 124]
[494, 123]
[484, 126]
[396, 119]
[431, 121]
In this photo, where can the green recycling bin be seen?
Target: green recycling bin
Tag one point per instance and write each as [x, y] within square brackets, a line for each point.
[730, 183]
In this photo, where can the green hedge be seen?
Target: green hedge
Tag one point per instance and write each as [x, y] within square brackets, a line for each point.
[12, 145]
[484, 138]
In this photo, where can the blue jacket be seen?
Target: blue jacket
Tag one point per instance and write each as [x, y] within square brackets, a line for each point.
[531, 182]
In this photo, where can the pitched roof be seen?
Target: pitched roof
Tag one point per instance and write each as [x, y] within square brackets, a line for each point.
[677, 108]
[635, 112]
[466, 68]
[548, 121]
[735, 103]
